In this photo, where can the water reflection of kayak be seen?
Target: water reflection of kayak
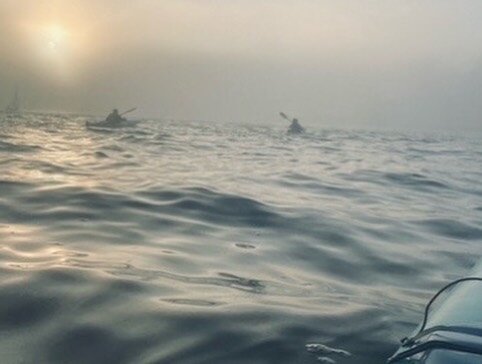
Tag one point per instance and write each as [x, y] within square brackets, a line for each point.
[109, 124]
[451, 330]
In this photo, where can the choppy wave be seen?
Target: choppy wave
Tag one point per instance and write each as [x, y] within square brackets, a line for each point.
[176, 242]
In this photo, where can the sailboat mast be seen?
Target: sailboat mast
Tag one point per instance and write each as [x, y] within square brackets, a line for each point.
[14, 105]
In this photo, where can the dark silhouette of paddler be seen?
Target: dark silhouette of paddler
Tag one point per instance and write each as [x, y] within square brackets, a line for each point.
[114, 117]
[295, 127]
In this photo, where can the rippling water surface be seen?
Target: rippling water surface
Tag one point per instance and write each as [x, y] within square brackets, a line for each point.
[177, 242]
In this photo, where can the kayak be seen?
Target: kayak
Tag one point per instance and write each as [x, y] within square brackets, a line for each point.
[295, 129]
[451, 330]
[108, 124]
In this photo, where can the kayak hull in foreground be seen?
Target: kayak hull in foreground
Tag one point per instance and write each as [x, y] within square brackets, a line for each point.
[451, 332]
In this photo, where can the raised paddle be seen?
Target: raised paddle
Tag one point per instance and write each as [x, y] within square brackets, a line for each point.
[284, 116]
[130, 110]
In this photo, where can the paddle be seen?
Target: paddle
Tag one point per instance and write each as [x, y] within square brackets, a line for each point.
[284, 116]
[130, 110]
[295, 127]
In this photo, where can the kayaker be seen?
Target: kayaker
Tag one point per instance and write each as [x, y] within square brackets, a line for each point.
[114, 117]
[295, 127]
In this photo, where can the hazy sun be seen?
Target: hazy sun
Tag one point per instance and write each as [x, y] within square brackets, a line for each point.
[59, 48]
[60, 42]
[55, 38]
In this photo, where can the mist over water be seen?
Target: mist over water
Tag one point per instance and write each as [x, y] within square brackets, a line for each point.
[177, 242]
[342, 64]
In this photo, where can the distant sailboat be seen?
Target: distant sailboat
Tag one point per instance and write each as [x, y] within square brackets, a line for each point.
[14, 106]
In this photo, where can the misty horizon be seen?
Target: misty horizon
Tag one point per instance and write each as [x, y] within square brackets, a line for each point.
[397, 65]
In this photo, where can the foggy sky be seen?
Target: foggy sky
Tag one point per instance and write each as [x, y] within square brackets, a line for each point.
[398, 64]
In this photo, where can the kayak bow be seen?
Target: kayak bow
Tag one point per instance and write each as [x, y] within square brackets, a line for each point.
[451, 330]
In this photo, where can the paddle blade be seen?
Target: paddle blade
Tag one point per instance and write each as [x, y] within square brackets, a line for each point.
[283, 115]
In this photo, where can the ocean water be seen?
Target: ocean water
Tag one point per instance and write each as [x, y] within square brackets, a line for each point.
[197, 242]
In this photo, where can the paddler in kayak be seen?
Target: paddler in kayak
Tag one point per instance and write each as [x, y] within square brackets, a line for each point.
[295, 127]
[114, 117]
[113, 120]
